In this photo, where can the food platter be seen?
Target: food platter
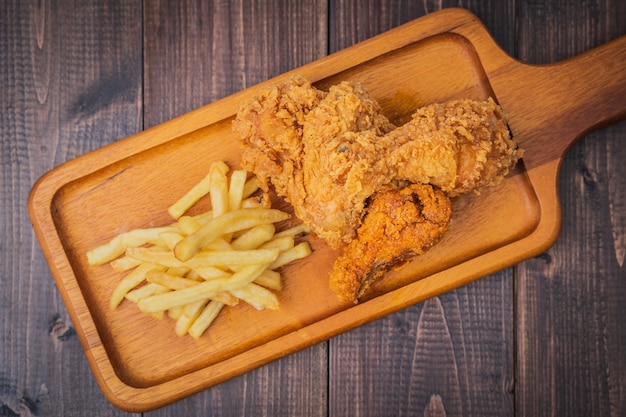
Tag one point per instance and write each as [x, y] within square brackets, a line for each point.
[141, 364]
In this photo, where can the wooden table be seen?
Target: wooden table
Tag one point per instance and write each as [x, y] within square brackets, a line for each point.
[544, 337]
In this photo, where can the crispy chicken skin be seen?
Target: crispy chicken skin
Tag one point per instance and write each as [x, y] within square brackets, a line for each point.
[458, 146]
[270, 127]
[399, 223]
[341, 161]
[327, 153]
[318, 150]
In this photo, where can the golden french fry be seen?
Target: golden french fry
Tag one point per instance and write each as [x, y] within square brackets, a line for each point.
[232, 257]
[236, 189]
[301, 250]
[204, 320]
[282, 243]
[169, 281]
[229, 222]
[179, 271]
[219, 244]
[194, 267]
[257, 296]
[250, 187]
[190, 198]
[211, 272]
[158, 257]
[146, 291]
[124, 263]
[219, 190]
[254, 237]
[118, 245]
[270, 279]
[190, 313]
[170, 239]
[174, 313]
[226, 298]
[203, 290]
[188, 224]
[130, 281]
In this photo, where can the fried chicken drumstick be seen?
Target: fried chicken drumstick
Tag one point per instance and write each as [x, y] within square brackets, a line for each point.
[327, 153]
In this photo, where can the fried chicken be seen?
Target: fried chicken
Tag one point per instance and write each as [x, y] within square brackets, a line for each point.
[318, 150]
[399, 223]
[270, 127]
[458, 146]
[326, 153]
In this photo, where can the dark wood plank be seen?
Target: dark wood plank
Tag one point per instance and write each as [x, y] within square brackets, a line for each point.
[453, 354]
[572, 301]
[70, 81]
[198, 52]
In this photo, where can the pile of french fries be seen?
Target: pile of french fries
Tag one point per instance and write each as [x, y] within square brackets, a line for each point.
[197, 265]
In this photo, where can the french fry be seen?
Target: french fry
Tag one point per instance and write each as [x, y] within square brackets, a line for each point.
[169, 281]
[204, 320]
[254, 237]
[282, 244]
[202, 188]
[257, 296]
[190, 198]
[203, 290]
[129, 282]
[270, 279]
[257, 201]
[232, 257]
[219, 190]
[211, 272]
[219, 244]
[188, 225]
[145, 291]
[190, 313]
[229, 222]
[236, 189]
[124, 263]
[174, 313]
[118, 245]
[170, 239]
[301, 250]
[158, 257]
[194, 267]
[251, 186]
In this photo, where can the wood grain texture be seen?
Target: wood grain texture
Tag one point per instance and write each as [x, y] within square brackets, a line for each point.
[440, 356]
[572, 300]
[543, 338]
[70, 81]
[196, 53]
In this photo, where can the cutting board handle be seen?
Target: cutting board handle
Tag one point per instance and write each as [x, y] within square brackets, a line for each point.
[561, 102]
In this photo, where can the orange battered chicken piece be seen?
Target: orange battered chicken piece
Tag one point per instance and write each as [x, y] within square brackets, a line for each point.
[270, 127]
[327, 153]
[318, 150]
[399, 223]
[459, 146]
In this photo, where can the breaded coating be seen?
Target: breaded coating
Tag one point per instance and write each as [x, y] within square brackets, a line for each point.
[327, 153]
[340, 161]
[270, 127]
[459, 146]
[399, 223]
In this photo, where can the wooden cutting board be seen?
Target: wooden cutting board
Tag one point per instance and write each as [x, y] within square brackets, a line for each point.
[139, 362]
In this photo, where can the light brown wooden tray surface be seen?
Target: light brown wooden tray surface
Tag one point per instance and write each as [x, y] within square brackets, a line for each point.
[141, 364]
